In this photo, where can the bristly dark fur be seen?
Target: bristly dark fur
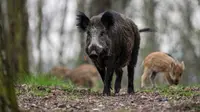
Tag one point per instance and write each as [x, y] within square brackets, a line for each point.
[121, 43]
[82, 21]
[107, 19]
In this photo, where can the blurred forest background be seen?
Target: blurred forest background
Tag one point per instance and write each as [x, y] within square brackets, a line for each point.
[44, 32]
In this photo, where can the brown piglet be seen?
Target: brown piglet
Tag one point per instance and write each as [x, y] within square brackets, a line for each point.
[160, 62]
[85, 75]
[60, 71]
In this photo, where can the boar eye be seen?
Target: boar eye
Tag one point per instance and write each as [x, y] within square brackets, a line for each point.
[102, 33]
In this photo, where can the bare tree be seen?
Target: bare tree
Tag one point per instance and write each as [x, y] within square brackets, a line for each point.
[61, 33]
[82, 55]
[120, 5]
[149, 20]
[18, 25]
[188, 48]
[39, 27]
[97, 7]
[9, 32]
[151, 45]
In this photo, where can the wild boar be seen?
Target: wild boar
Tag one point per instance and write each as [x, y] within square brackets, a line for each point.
[60, 71]
[160, 62]
[112, 42]
[85, 75]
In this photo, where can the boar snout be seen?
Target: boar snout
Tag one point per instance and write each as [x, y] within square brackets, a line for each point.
[93, 54]
[94, 51]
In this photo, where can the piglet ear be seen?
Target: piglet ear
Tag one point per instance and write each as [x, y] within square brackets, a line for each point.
[82, 21]
[107, 19]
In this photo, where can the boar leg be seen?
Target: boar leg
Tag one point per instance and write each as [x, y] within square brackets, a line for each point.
[102, 73]
[144, 77]
[152, 79]
[107, 81]
[101, 69]
[130, 79]
[133, 61]
[118, 80]
[131, 70]
[168, 78]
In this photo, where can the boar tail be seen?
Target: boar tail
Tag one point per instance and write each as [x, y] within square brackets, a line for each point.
[147, 30]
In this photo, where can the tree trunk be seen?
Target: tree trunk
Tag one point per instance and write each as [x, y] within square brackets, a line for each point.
[18, 25]
[190, 57]
[8, 101]
[151, 44]
[62, 32]
[39, 41]
[149, 21]
[97, 7]
[120, 5]
[82, 55]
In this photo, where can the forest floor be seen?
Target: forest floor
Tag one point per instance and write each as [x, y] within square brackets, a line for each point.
[36, 98]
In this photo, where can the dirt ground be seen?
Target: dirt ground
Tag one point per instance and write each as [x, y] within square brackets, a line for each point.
[82, 100]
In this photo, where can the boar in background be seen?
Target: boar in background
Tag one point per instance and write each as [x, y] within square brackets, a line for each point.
[84, 75]
[60, 71]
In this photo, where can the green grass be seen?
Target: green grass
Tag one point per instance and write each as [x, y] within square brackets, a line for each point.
[175, 92]
[42, 84]
[45, 80]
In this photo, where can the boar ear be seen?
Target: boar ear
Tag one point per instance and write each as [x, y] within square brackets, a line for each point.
[82, 21]
[107, 19]
[183, 65]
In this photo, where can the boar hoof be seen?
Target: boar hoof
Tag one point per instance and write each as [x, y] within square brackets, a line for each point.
[117, 90]
[130, 91]
[117, 94]
[106, 93]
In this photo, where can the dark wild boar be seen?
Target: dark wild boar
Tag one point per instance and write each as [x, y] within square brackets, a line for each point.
[112, 42]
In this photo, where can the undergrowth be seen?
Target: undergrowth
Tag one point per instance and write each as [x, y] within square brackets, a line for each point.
[175, 92]
[42, 84]
[45, 80]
